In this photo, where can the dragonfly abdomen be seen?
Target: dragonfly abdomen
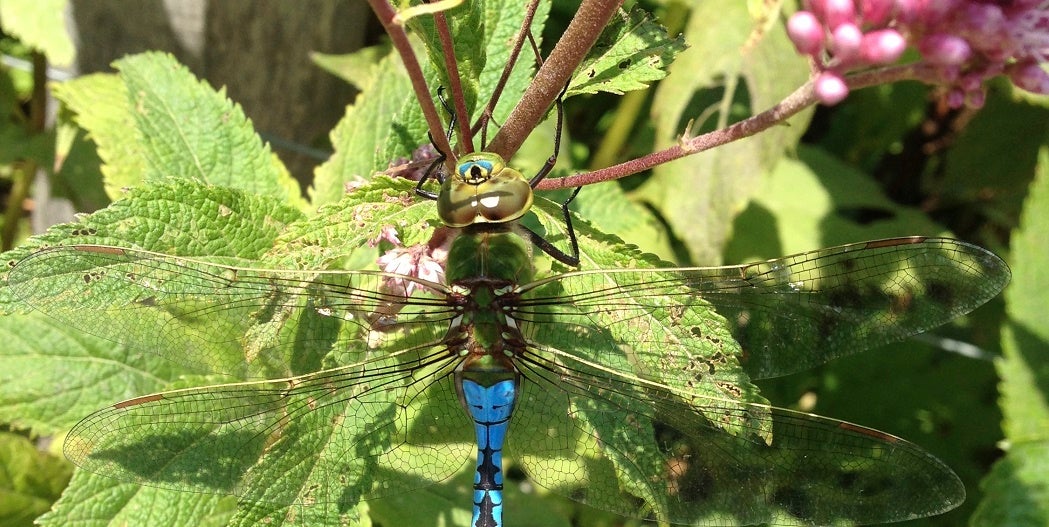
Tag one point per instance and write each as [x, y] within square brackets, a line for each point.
[490, 408]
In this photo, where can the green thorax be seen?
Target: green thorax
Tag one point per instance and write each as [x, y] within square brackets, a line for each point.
[489, 253]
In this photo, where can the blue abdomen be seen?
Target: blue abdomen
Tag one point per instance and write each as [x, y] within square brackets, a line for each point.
[490, 408]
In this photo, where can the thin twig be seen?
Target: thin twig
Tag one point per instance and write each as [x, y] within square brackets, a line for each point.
[385, 13]
[554, 74]
[454, 84]
[25, 170]
[801, 98]
[515, 52]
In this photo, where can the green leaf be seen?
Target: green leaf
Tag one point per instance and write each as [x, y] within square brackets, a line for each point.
[1018, 486]
[184, 218]
[698, 328]
[1016, 490]
[102, 108]
[971, 174]
[368, 122]
[30, 480]
[43, 356]
[735, 68]
[1025, 365]
[350, 229]
[631, 53]
[79, 178]
[358, 68]
[610, 210]
[180, 129]
[40, 24]
[181, 218]
[818, 201]
[95, 501]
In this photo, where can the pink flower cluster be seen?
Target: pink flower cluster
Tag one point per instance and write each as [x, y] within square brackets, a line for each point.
[963, 42]
[419, 261]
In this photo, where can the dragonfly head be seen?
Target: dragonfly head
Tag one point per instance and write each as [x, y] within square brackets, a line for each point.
[483, 190]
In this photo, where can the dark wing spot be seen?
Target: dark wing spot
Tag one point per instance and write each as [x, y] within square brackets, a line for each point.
[940, 292]
[794, 501]
[847, 297]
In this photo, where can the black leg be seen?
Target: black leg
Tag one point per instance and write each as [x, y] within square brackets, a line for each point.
[574, 260]
[441, 156]
[548, 248]
[552, 160]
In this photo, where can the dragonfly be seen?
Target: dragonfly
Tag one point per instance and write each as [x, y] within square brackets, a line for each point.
[618, 387]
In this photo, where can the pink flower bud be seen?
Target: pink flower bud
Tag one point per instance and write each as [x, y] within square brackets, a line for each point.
[970, 82]
[875, 12]
[932, 12]
[984, 21]
[883, 46]
[949, 74]
[907, 11]
[830, 88]
[845, 41]
[838, 12]
[806, 32]
[944, 49]
[818, 8]
[1031, 77]
[955, 98]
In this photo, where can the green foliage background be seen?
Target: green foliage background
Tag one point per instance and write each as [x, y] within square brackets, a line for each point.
[862, 170]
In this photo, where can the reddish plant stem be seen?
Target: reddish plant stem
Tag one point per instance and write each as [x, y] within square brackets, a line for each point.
[797, 101]
[568, 53]
[454, 84]
[385, 13]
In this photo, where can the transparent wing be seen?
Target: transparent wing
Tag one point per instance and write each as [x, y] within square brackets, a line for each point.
[392, 416]
[249, 323]
[788, 314]
[389, 424]
[638, 449]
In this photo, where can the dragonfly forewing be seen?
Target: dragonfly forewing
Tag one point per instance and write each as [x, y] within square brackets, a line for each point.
[211, 317]
[795, 312]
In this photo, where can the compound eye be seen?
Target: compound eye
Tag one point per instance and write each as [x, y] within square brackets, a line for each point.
[480, 167]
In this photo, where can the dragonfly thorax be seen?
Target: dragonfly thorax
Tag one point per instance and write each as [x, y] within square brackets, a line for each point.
[498, 254]
[483, 190]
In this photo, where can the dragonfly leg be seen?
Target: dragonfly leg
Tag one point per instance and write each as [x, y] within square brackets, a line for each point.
[548, 248]
[571, 231]
[431, 171]
[552, 160]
